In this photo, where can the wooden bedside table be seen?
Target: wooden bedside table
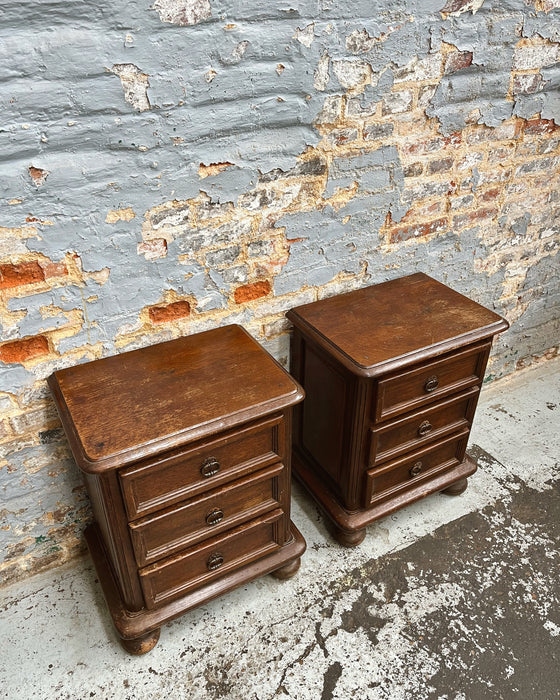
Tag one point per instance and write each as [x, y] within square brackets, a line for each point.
[185, 448]
[392, 375]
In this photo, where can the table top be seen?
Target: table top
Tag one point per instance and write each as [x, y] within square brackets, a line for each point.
[126, 407]
[386, 326]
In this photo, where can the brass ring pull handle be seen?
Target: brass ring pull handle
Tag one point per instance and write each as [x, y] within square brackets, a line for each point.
[214, 561]
[416, 469]
[210, 467]
[215, 516]
[431, 384]
[424, 428]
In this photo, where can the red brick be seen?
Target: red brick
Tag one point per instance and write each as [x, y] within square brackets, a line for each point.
[403, 233]
[51, 269]
[169, 312]
[457, 60]
[474, 217]
[249, 292]
[421, 147]
[18, 274]
[156, 248]
[540, 126]
[490, 195]
[22, 350]
[422, 211]
[454, 139]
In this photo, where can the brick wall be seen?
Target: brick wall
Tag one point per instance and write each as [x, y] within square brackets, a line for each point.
[172, 166]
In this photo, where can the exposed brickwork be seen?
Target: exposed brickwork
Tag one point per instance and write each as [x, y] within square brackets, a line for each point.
[17, 275]
[457, 60]
[250, 292]
[54, 269]
[23, 350]
[403, 233]
[38, 175]
[170, 312]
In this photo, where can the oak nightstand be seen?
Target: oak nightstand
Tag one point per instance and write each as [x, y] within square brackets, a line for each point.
[185, 448]
[392, 375]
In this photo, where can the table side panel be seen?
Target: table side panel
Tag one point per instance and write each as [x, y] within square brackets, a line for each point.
[108, 510]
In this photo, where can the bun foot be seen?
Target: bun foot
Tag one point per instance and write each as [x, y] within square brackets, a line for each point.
[287, 571]
[344, 537]
[143, 644]
[457, 488]
[350, 539]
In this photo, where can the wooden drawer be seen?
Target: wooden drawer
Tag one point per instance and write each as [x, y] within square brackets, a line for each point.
[408, 390]
[417, 429]
[170, 530]
[150, 486]
[201, 564]
[387, 480]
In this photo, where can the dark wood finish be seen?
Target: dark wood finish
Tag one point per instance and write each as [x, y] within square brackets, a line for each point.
[378, 329]
[124, 408]
[416, 429]
[208, 561]
[131, 626]
[150, 486]
[405, 391]
[186, 452]
[143, 644]
[392, 375]
[457, 488]
[383, 482]
[173, 529]
[286, 572]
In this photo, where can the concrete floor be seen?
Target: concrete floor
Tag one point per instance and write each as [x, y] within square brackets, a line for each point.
[452, 598]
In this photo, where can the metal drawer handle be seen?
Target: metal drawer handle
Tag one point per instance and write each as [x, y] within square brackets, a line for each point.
[215, 516]
[424, 428]
[416, 469]
[210, 467]
[214, 561]
[431, 383]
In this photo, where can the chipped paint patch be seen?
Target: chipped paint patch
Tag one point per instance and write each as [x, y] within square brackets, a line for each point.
[38, 175]
[114, 215]
[212, 169]
[135, 84]
[183, 12]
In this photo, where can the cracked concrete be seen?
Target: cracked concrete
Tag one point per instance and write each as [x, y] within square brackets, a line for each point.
[451, 598]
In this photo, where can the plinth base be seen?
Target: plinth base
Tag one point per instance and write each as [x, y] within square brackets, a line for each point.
[139, 630]
[348, 527]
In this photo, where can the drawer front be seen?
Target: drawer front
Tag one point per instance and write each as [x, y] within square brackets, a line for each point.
[422, 427]
[408, 390]
[404, 473]
[159, 483]
[168, 531]
[202, 564]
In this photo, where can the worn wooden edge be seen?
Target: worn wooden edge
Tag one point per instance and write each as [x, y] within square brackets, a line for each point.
[395, 363]
[348, 522]
[169, 442]
[130, 625]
